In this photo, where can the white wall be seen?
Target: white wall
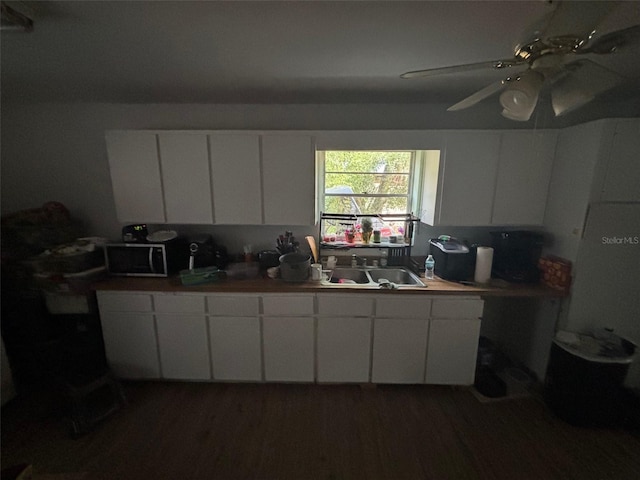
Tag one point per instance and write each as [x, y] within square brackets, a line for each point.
[57, 151]
[577, 153]
[604, 291]
[605, 288]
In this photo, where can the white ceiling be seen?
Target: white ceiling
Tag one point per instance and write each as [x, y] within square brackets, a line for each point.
[274, 52]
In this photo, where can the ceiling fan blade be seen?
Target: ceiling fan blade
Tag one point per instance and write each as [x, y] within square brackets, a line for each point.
[610, 42]
[585, 80]
[577, 19]
[478, 96]
[431, 72]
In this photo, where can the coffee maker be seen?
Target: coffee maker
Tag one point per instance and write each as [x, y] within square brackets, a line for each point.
[203, 252]
[516, 254]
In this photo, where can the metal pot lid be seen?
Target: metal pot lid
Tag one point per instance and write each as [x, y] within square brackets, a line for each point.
[162, 236]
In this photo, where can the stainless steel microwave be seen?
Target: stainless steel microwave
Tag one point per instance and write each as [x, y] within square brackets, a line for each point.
[137, 259]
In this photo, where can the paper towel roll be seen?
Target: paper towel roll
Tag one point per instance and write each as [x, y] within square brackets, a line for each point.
[484, 259]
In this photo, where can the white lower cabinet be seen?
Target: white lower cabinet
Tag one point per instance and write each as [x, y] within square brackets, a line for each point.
[452, 351]
[288, 349]
[400, 338]
[234, 335]
[183, 346]
[344, 347]
[288, 337]
[344, 337]
[454, 332]
[182, 336]
[235, 348]
[291, 337]
[130, 344]
[128, 329]
[399, 346]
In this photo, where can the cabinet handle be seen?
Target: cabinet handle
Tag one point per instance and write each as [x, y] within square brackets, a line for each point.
[151, 266]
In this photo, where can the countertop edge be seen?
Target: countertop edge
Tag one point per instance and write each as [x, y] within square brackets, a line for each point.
[266, 285]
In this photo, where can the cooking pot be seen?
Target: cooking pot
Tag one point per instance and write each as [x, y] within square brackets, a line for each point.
[294, 267]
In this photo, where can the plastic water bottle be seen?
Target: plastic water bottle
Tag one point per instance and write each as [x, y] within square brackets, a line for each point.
[429, 265]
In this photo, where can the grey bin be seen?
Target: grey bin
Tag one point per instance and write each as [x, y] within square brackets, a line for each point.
[585, 376]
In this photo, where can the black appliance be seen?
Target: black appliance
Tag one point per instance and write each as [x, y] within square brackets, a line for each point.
[454, 260]
[203, 252]
[143, 259]
[135, 233]
[516, 254]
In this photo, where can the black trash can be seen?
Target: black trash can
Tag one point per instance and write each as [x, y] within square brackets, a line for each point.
[585, 376]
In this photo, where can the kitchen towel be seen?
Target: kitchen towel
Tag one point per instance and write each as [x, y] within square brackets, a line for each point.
[484, 259]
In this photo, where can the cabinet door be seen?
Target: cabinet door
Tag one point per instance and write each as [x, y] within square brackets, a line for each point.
[452, 351]
[344, 345]
[403, 306]
[235, 348]
[288, 349]
[622, 179]
[524, 173]
[288, 172]
[469, 178]
[456, 307]
[124, 302]
[130, 344]
[185, 177]
[344, 305]
[182, 303]
[183, 345]
[234, 305]
[135, 176]
[399, 347]
[235, 176]
[292, 304]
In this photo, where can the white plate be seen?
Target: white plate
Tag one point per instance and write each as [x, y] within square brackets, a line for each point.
[162, 236]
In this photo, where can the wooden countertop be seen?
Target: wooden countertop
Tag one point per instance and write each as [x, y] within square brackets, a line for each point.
[497, 288]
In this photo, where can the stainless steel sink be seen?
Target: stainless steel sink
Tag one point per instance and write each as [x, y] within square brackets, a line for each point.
[399, 276]
[372, 277]
[349, 275]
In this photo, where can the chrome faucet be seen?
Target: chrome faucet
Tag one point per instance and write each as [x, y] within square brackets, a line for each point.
[354, 261]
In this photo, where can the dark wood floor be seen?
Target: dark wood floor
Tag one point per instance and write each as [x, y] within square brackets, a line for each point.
[218, 431]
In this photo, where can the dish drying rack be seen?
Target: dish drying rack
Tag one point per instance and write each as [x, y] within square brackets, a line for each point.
[398, 251]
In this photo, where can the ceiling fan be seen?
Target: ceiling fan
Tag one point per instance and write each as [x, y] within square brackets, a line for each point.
[551, 56]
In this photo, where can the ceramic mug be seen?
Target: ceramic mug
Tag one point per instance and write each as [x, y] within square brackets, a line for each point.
[316, 272]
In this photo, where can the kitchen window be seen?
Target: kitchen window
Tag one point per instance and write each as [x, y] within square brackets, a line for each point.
[378, 182]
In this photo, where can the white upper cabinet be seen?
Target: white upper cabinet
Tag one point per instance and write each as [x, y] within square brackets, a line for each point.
[185, 177]
[524, 173]
[135, 176]
[288, 174]
[205, 177]
[469, 178]
[622, 179]
[235, 176]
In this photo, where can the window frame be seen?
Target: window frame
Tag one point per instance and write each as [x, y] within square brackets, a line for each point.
[415, 175]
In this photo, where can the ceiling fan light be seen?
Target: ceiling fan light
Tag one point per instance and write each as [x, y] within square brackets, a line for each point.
[520, 97]
[519, 117]
[516, 100]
